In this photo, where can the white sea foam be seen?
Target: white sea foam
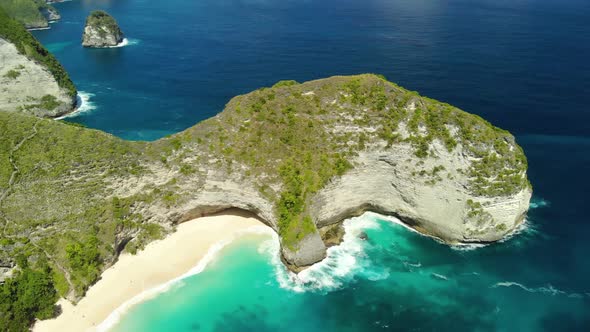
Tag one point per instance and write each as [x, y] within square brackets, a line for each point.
[37, 29]
[440, 276]
[413, 264]
[126, 42]
[467, 246]
[342, 262]
[539, 203]
[116, 315]
[525, 228]
[548, 289]
[85, 105]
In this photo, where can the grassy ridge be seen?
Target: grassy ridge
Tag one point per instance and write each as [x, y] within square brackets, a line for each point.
[13, 31]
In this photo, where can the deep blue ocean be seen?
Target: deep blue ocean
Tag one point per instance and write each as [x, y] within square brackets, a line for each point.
[522, 64]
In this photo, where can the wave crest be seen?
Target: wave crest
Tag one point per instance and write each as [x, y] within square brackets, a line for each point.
[85, 105]
[126, 42]
[342, 263]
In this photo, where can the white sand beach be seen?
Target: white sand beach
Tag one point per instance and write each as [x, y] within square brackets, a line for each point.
[134, 276]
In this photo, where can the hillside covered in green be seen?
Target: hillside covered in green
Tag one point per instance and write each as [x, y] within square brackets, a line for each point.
[73, 198]
[28, 12]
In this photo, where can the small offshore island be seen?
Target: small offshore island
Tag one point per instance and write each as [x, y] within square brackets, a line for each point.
[302, 157]
[101, 30]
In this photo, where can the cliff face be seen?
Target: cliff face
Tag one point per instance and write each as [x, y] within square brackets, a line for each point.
[32, 81]
[302, 157]
[101, 30]
[29, 87]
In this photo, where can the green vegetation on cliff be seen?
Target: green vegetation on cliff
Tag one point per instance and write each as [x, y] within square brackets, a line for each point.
[74, 197]
[100, 19]
[25, 297]
[13, 31]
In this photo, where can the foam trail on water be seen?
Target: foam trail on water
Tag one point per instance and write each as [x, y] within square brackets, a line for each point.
[440, 276]
[85, 105]
[126, 42]
[549, 289]
[37, 29]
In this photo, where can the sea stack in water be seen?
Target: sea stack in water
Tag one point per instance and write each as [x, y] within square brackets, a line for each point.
[101, 30]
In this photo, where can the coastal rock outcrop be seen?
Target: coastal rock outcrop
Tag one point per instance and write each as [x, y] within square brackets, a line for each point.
[101, 30]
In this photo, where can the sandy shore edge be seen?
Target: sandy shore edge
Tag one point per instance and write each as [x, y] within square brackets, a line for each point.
[137, 277]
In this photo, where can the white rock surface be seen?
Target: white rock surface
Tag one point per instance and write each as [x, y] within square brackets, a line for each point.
[24, 92]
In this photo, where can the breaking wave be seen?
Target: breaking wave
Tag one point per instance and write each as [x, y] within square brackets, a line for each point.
[127, 42]
[85, 105]
[342, 263]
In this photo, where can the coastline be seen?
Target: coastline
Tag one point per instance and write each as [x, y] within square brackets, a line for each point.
[136, 278]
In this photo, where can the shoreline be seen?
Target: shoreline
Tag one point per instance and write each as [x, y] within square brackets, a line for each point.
[137, 278]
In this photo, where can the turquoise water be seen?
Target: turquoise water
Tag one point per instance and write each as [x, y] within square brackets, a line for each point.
[395, 280]
[523, 65]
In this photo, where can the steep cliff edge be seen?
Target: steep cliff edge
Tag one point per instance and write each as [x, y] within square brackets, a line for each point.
[101, 30]
[31, 80]
[301, 156]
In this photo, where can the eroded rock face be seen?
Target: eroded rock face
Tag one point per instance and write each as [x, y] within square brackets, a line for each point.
[50, 13]
[28, 87]
[383, 182]
[101, 30]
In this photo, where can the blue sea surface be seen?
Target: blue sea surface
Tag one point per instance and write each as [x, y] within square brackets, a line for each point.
[521, 64]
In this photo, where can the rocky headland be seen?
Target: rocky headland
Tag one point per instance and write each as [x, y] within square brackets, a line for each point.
[302, 157]
[101, 30]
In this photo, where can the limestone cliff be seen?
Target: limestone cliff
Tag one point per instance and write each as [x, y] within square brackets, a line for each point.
[101, 30]
[27, 86]
[302, 157]
[31, 79]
